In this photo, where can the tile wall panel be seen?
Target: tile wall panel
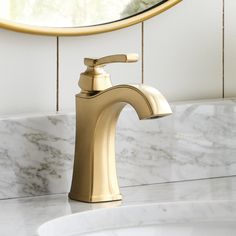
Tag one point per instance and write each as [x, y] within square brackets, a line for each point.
[183, 50]
[27, 73]
[74, 49]
[230, 48]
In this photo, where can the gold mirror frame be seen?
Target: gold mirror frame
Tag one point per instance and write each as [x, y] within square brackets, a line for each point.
[76, 31]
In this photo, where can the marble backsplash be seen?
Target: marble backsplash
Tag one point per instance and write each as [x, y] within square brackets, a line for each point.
[197, 141]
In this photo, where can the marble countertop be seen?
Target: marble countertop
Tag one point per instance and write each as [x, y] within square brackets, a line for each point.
[22, 216]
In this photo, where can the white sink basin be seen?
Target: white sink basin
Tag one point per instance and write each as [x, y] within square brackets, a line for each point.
[169, 219]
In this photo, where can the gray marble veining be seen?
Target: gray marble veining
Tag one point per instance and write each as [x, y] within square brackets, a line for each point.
[197, 141]
[35, 155]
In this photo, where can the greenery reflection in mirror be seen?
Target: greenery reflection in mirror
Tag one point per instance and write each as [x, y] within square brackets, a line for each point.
[74, 13]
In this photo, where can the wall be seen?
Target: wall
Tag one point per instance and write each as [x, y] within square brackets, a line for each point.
[187, 54]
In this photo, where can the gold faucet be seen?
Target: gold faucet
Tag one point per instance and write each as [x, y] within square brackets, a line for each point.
[98, 106]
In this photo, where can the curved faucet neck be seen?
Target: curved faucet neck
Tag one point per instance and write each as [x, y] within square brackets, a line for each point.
[94, 175]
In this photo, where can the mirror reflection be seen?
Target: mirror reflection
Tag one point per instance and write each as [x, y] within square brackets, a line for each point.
[73, 13]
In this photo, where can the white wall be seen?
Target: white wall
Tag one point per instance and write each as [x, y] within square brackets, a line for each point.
[183, 55]
[230, 48]
[183, 50]
[27, 73]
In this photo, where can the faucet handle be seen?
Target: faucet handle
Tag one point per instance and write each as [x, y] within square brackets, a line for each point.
[126, 58]
[95, 79]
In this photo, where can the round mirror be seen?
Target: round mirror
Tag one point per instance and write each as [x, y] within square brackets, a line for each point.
[77, 17]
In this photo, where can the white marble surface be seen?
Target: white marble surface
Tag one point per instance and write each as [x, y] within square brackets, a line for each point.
[35, 155]
[197, 141]
[203, 198]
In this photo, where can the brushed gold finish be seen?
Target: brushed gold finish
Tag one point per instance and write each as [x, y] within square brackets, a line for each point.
[72, 31]
[95, 78]
[97, 111]
[132, 57]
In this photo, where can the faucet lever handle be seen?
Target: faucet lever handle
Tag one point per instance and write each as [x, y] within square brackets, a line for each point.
[126, 58]
[95, 79]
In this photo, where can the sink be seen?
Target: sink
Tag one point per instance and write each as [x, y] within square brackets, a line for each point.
[213, 218]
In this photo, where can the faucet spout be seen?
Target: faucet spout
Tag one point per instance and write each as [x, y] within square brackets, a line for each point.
[148, 102]
[94, 174]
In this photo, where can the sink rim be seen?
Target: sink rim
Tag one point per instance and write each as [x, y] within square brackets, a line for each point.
[165, 213]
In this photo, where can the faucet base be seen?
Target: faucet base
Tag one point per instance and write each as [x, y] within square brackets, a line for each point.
[95, 199]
